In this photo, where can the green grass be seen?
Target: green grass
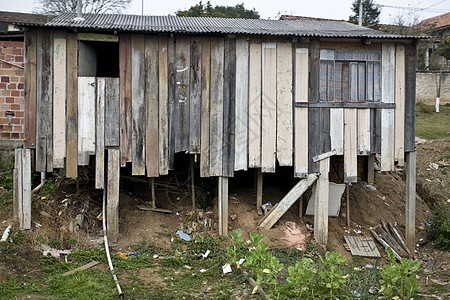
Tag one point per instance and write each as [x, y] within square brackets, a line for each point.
[431, 125]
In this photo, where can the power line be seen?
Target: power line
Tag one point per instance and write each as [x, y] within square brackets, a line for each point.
[427, 9]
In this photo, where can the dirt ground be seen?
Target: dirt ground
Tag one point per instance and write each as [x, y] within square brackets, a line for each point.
[65, 214]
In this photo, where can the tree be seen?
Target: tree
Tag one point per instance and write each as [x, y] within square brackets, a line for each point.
[56, 7]
[371, 13]
[207, 10]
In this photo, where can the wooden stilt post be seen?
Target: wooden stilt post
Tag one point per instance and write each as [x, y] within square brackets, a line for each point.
[410, 200]
[259, 190]
[223, 205]
[347, 205]
[192, 182]
[17, 192]
[112, 195]
[26, 188]
[300, 206]
[371, 169]
[321, 203]
[152, 190]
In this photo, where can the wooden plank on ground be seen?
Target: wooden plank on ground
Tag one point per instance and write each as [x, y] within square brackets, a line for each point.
[44, 102]
[163, 106]
[229, 101]
[216, 106]
[364, 131]
[26, 188]
[100, 134]
[138, 109]
[82, 268]
[72, 106]
[269, 106]
[362, 246]
[195, 95]
[112, 196]
[125, 98]
[301, 114]
[254, 105]
[59, 98]
[410, 97]
[284, 103]
[171, 99]
[30, 89]
[387, 115]
[86, 119]
[112, 113]
[321, 204]
[205, 107]
[242, 103]
[182, 75]
[293, 195]
[151, 98]
[350, 146]
[399, 123]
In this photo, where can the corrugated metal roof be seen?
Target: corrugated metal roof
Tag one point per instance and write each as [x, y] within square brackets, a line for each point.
[202, 25]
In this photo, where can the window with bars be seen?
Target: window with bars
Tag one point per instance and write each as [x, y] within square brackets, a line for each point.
[350, 75]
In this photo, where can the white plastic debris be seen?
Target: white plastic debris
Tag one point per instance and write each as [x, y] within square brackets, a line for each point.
[6, 234]
[203, 270]
[226, 269]
[205, 255]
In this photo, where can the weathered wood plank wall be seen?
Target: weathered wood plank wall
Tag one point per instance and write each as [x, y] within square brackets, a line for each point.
[30, 89]
[254, 106]
[387, 115]
[100, 134]
[205, 107]
[163, 106]
[72, 106]
[125, 98]
[86, 119]
[195, 95]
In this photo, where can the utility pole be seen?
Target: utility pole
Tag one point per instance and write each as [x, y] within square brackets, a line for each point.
[360, 12]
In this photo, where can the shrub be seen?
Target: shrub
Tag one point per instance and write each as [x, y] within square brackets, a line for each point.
[439, 230]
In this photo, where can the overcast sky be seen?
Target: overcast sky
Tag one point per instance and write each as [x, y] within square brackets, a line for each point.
[332, 9]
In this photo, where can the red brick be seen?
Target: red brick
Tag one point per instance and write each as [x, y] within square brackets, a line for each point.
[2, 86]
[20, 86]
[21, 136]
[15, 121]
[21, 79]
[5, 79]
[9, 99]
[19, 99]
[17, 51]
[5, 106]
[6, 92]
[18, 44]
[12, 86]
[8, 72]
[18, 72]
[7, 128]
[3, 114]
[17, 128]
[8, 44]
[15, 93]
[7, 51]
[19, 114]
[6, 136]
[4, 120]
[15, 106]
[14, 135]
[18, 59]
[14, 79]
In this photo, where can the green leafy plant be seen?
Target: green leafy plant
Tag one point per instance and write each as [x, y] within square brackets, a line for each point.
[330, 279]
[298, 284]
[262, 262]
[439, 230]
[399, 279]
[236, 251]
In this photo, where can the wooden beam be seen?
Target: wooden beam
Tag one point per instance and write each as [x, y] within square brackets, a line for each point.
[98, 37]
[192, 180]
[163, 106]
[379, 105]
[125, 98]
[410, 200]
[100, 135]
[26, 188]
[399, 137]
[30, 89]
[347, 204]
[259, 190]
[371, 169]
[293, 195]
[223, 205]
[321, 205]
[410, 97]
[112, 196]
[324, 155]
[152, 191]
[112, 112]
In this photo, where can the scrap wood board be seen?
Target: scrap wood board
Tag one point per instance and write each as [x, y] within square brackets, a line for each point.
[362, 246]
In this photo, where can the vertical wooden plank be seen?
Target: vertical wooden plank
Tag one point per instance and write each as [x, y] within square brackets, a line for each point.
[269, 105]
[350, 146]
[216, 106]
[242, 103]
[112, 198]
[387, 115]
[229, 103]
[314, 131]
[100, 134]
[375, 135]
[139, 112]
[86, 119]
[371, 169]
[259, 191]
[163, 106]
[364, 131]
[223, 206]
[254, 106]
[321, 203]
[195, 94]
[44, 102]
[112, 113]
[399, 136]
[30, 89]
[410, 200]
[337, 130]
[325, 140]
[26, 188]
[16, 183]
[151, 98]
[59, 98]
[171, 99]
[284, 103]
[125, 98]
[72, 106]
[205, 107]
[182, 90]
[301, 114]
[410, 97]
[19, 191]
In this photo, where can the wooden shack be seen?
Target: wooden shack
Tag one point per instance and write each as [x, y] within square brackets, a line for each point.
[239, 94]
